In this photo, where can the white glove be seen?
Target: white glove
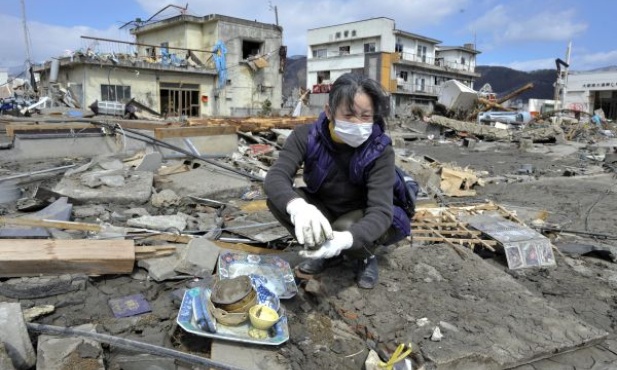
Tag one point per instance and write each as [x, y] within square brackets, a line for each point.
[342, 240]
[311, 226]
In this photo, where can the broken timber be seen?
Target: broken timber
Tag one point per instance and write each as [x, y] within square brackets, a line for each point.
[29, 125]
[254, 124]
[32, 257]
[497, 134]
[443, 225]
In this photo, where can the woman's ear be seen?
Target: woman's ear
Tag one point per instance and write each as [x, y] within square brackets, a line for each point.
[328, 113]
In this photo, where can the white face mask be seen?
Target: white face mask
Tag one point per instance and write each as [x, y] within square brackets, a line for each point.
[353, 134]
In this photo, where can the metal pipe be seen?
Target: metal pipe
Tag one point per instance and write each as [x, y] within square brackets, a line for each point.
[7, 178]
[140, 44]
[130, 345]
[188, 153]
[597, 235]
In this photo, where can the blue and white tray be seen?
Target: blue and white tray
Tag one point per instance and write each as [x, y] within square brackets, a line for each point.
[188, 320]
[275, 272]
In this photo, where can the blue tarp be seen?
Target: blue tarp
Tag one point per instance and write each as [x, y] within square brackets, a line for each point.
[219, 61]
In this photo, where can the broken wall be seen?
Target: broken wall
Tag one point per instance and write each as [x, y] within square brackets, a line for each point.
[249, 89]
[144, 83]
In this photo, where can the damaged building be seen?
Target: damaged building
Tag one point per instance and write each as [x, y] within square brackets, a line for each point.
[590, 91]
[185, 65]
[409, 66]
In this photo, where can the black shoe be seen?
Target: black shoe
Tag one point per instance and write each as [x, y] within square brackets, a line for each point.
[312, 266]
[368, 273]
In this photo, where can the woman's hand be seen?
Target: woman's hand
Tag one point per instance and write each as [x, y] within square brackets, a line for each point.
[342, 240]
[311, 226]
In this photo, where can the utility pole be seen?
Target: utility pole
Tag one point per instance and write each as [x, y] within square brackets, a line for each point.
[27, 41]
[565, 76]
[25, 26]
[276, 13]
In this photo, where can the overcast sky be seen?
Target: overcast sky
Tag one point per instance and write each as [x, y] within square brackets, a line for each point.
[521, 34]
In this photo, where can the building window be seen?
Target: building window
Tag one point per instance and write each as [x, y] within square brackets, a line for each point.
[164, 44]
[344, 50]
[403, 75]
[420, 84]
[250, 48]
[353, 33]
[463, 60]
[346, 33]
[422, 53]
[323, 77]
[338, 35]
[369, 47]
[151, 52]
[398, 47]
[117, 93]
[320, 53]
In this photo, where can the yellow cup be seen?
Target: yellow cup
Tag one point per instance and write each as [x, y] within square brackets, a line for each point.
[263, 317]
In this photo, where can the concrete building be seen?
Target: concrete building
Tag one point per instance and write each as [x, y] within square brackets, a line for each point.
[589, 91]
[409, 66]
[183, 66]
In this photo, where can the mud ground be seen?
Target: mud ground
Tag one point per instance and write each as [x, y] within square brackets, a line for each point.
[332, 323]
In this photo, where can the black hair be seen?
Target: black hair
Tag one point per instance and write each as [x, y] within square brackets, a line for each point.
[346, 87]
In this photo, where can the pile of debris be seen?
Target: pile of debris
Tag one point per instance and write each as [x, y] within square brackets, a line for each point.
[482, 115]
[129, 225]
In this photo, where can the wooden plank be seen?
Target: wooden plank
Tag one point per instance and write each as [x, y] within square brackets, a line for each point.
[10, 129]
[453, 240]
[245, 248]
[172, 238]
[462, 226]
[166, 133]
[446, 232]
[50, 224]
[254, 124]
[32, 257]
[144, 125]
[32, 124]
[254, 206]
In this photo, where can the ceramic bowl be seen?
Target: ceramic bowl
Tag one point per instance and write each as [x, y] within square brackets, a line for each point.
[241, 306]
[263, 317]
[245, 307]
[230, 291]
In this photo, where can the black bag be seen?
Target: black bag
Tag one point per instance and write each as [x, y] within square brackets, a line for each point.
[405, 192]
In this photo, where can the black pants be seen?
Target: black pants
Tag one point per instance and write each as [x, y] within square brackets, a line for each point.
[340, 223]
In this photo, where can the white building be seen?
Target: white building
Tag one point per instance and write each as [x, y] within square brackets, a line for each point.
[589, 91]
[4, 76]
[409, 66]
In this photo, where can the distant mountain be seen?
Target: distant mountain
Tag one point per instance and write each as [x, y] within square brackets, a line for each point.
[604, 69]
[503, 79]
[15, 71]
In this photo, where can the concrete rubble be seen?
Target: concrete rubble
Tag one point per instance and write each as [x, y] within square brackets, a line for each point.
[452, 290]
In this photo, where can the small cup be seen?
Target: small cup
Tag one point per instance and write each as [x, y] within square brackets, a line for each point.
[263, 317]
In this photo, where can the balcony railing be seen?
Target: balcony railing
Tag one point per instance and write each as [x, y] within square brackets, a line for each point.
[416, 88]
[454, 65]
[439, 62]
[336, 54]
[412, 57]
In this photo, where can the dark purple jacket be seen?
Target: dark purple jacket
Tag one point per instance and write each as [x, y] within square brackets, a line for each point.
[319, 161]
[337, 194]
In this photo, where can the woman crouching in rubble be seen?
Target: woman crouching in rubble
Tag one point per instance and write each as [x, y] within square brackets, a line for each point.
[349, 174]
